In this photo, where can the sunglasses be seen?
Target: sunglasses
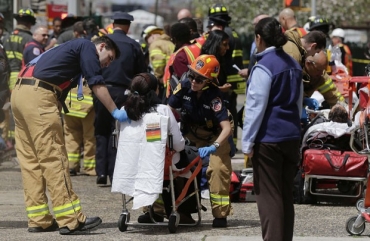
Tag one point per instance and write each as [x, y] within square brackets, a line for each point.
[45, 35]
[198, 79]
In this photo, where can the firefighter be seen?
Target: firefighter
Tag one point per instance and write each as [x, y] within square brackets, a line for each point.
[288, 21]
[79, 131]
[79, 121]
[233, 56]
[40, 147]
[160, 49]
[326, 83]
[205, 122]
[4, 77]
[14, 44]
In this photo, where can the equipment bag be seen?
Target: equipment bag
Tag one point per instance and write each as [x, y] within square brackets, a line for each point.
[335, 163]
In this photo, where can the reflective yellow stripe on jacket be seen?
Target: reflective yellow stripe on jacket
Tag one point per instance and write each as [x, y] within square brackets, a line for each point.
[79, 108]
[329, 85]
[14, 55]
[237, 53]
[67, 209]
[36, 211]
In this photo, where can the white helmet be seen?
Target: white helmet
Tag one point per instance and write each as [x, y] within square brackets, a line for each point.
[338, 32]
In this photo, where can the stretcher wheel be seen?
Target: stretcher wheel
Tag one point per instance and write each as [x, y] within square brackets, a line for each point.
[122, 226]
[351, 229]
[172, 224]
[360, 204]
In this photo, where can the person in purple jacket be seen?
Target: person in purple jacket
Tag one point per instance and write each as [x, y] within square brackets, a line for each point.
[271, 131]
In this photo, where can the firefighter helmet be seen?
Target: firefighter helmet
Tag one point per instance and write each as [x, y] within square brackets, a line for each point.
[219, 11]
[316, 23]
[26, 15]
[150, 30]
[206, 66]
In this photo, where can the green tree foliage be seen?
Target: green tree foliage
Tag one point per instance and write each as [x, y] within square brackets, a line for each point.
[340, 12]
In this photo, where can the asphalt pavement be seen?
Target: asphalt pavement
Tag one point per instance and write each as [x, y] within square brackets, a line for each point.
[322, 222]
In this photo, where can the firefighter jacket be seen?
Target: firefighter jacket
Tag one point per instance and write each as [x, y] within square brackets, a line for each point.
[294, 47]
[324, 84]
[234, 55]
[80, 108]
[159, 53]
[4, 77]
[301, 31]
[14, 45]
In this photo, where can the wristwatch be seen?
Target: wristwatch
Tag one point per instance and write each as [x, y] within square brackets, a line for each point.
[216, 144]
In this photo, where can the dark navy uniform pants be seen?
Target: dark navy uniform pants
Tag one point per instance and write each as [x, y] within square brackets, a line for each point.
[104, 126]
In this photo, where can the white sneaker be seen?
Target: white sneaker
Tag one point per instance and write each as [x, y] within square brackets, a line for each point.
[204, 194]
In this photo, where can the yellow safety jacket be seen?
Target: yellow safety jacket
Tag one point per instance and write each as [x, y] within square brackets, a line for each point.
[79, 108]
[159, 54]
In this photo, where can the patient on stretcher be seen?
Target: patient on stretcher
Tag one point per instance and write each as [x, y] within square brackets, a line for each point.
[141, 151]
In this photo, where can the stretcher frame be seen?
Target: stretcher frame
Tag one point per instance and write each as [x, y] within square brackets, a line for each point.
[355, 225]
[169, 174]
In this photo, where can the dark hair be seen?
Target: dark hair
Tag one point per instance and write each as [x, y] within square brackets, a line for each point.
[143, 98]
[338, 114]
[57, 19]
[180, 33]
[317, 37]
[78, 27]
[213, 43]
[109, 44]
[271, 32]
[90, 26]
[190, 22]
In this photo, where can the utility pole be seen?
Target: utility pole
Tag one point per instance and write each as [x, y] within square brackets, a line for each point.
[156, 12]
[313, 7]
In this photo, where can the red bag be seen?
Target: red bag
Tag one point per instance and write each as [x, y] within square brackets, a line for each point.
[335, 163]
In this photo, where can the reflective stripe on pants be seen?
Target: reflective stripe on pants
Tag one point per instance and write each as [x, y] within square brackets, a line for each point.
[42, 154]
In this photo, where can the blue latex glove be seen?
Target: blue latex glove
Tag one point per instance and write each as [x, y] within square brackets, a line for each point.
[206, 151]
[120, 115]
[311, 103]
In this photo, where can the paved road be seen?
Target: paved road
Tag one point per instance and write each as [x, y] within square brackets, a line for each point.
[312, 222]
[324, 222]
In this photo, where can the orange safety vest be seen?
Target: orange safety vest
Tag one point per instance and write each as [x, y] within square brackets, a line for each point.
[347, 58]
[192, 52]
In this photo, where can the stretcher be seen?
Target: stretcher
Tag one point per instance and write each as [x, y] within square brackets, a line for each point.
[330, 179]
[355, 225]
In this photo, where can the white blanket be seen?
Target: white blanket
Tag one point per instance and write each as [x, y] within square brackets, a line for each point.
[139, 164]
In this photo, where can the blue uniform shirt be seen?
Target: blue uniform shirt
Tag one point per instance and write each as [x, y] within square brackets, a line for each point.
[131, 61]
[32, 50]
[209, 107]
[68, 61]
